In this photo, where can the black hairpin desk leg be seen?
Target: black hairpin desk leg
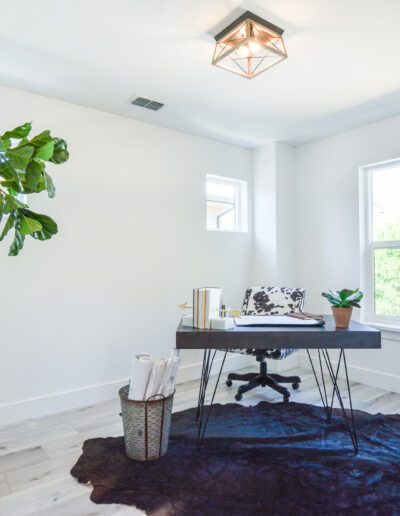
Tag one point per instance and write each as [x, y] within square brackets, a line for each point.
[203, 413]
[322, 388]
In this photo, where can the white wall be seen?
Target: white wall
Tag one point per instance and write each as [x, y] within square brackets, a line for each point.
[274, 215]
[132, 244]
[286, 215]
[264, 215]
[327, 246]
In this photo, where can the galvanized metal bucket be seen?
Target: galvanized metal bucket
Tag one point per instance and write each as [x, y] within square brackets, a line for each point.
[146, 425]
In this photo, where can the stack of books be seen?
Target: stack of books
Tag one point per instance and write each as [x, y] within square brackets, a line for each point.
[206, 306]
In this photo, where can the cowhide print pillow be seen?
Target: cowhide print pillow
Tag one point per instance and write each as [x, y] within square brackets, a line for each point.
[273, 300]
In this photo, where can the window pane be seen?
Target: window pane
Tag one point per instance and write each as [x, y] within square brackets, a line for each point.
[386, 205]
[220, 215]
[221, 190]
[226, 221]
[387, 282]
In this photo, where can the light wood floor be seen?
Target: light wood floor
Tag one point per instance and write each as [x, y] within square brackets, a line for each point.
[36, 455]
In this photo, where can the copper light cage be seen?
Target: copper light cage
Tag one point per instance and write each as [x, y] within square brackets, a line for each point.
[249, 46]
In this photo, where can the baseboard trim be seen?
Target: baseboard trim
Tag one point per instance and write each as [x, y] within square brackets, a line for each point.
[67, 400]
[363, 375]
[75, 398]
[59, 402]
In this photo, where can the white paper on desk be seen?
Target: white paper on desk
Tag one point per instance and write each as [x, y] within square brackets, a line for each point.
[274, 320]
[141, 368]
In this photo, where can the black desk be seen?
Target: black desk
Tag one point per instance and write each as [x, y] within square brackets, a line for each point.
[276, 337]
[321, 338]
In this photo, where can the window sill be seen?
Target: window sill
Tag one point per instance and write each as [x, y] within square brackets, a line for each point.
[240, 231]
[392, 330]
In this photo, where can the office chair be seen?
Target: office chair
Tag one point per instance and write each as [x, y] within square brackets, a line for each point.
[268, 301]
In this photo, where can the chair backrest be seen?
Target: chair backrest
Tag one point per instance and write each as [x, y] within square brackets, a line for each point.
[272, 300]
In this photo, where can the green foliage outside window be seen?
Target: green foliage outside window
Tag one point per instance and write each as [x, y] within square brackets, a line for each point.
[387, 275]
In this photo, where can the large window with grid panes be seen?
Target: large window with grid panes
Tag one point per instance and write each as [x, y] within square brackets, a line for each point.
[380, 227]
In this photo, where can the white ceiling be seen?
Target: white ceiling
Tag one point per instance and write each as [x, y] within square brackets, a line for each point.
[343, 67]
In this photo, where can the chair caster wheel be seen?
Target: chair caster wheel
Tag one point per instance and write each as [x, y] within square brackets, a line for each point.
[286, 399]
[238, 397]
[228, 383]
[295, 386]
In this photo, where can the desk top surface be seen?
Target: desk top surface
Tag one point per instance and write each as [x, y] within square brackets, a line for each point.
[357, 336]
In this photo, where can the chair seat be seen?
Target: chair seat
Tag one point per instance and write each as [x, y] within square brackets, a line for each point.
[275, 354]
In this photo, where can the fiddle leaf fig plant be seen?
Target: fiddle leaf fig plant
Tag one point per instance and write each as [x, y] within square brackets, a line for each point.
[344, 298]
[23, 162]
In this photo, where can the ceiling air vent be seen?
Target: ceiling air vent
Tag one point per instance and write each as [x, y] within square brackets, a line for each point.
[147, 103]
[155, 106]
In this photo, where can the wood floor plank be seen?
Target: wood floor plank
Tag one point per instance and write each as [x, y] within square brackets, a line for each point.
[37, 474]
[4, 489]
[113, 430]
[36, 499]
[82, 505]
[21, 458]
[388, 403]
[12, 442]
[98, 421]
[64, 445]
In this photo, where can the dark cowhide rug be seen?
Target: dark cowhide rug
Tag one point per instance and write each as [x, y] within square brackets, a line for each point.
[267, 459]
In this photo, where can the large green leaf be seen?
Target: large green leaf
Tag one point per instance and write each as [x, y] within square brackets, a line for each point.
[49, 227]
[4, 144]
[7, 226]
[17, 243]
[33, 175]
[9, 173]
[46, 151]
[9, 183]
[29, 225]
[11, 204]
[22, 131]
[39, 187]
[61, 153]
[51, 189]
[19, 156]
[41, 139]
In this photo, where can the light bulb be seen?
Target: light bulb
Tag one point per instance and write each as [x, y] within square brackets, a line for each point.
[244, 51]
[253, 47]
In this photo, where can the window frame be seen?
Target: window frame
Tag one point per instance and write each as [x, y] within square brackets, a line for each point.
[368, 246]
[239, 202]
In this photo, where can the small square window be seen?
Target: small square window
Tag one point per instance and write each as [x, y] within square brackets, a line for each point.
[226, 204]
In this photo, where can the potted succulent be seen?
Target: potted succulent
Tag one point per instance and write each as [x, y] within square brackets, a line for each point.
[342, 302]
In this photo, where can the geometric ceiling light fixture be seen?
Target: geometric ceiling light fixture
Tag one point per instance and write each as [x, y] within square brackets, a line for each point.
[249, 46]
